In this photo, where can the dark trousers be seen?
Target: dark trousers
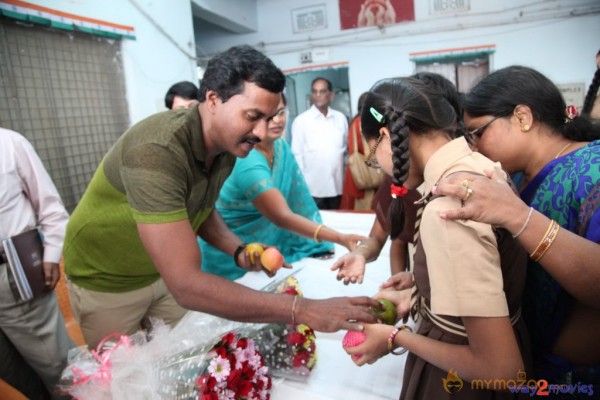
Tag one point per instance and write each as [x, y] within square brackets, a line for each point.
[16, 372]
[328, 203]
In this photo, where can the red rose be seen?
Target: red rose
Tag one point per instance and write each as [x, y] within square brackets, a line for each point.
[300, 359]
[296, 339]
[233, 380]
[209, 396]
[232, 360]
[205, 383]
[228, 339]
[221, 351]
[245, 388]
[242, 343]
[291, 291]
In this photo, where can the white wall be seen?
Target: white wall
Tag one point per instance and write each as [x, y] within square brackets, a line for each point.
[152, 62]
[541, 35]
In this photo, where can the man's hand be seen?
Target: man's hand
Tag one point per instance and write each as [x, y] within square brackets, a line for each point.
[51, 274]
[332, 315]
[253, 263]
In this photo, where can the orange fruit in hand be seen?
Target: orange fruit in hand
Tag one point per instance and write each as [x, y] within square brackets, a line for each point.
[252, 248]
[271, 259]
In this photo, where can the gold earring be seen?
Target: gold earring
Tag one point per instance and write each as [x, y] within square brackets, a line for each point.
[525, 128]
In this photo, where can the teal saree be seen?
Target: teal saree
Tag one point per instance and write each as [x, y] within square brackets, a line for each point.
[251, 177]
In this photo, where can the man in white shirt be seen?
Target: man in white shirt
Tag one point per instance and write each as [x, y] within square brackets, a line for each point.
[319, 143]
[29, 199]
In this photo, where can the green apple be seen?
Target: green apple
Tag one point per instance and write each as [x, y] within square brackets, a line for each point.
[388, 314]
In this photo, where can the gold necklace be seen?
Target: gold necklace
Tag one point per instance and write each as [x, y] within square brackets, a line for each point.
[269, 158]
[563, 149]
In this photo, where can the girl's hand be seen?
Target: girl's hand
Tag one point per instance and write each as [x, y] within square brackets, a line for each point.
[400, 281]
[351, 268]
[400, 298]
[351, 241]
[374, 347]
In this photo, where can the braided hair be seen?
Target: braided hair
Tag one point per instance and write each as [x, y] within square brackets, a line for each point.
[590, 97]
[407, 105]
[500, 92]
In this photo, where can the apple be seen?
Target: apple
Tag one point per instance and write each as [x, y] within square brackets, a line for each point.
[254, 248]
[388, 314]
[352, 339]
[271, 259]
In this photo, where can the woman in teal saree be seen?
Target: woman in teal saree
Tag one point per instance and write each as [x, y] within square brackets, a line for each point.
[266, 199]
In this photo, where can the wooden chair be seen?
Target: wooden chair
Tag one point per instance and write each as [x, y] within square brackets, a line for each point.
[62, 295]
[8, 392]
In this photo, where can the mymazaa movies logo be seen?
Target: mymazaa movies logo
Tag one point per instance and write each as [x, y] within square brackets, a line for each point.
[453, 384]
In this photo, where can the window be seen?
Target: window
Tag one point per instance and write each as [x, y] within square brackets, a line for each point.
[64, 91]
[464, 67]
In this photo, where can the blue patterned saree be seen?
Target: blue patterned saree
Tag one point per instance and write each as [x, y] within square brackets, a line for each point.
[567, 190]
[251, 177]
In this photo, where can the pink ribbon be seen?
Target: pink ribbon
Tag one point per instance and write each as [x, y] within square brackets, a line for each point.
[102, 374]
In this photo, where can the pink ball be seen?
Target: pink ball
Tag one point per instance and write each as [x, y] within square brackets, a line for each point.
[352, 339]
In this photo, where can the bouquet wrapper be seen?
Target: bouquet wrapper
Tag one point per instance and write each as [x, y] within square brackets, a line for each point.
[164, 364]
[289, 350]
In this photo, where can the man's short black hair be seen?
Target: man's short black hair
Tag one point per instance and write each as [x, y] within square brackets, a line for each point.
[227, 72]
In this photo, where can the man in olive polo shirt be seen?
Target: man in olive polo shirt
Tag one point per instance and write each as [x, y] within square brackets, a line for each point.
[130, 249]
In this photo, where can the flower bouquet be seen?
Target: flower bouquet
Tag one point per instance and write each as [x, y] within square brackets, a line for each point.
[172, 364]
[289, 350]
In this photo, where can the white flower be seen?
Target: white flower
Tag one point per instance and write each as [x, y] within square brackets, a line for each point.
[219, 368]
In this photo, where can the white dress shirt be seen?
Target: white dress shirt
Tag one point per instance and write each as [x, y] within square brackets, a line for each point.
[319, 144]
[28, 197]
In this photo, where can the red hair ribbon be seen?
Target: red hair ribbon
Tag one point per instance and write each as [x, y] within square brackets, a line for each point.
[398, 191]
[571, 112]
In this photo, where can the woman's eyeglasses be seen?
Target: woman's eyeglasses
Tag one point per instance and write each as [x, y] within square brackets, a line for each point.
[478, 133]
[371, 161]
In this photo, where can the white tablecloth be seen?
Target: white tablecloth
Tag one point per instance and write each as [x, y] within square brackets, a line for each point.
[335, 376]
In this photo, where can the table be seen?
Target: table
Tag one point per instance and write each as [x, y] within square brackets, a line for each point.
[335, 376]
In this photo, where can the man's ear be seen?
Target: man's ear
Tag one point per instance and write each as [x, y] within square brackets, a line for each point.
[212, 99]
[524, 116]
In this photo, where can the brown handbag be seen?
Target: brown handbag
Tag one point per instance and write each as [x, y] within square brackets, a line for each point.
[364, 177]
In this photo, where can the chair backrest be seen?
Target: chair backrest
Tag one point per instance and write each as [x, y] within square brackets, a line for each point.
[8, 392]
[62, 296]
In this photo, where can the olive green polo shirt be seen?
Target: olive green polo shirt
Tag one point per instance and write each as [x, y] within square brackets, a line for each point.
[155, 173]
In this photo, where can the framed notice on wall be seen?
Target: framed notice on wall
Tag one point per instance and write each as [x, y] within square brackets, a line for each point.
[309, 18]
[363, 13]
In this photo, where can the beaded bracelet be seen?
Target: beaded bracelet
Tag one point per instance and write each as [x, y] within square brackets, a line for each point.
[516, 235]
[315, 236]
[392, 337]
[546, 241]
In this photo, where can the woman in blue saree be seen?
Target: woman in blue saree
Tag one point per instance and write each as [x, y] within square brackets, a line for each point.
[265, 199]
[518, 117]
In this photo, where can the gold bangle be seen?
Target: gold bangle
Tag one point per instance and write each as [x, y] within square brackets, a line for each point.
[392, 337]
[546, 241]
[315, 236]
